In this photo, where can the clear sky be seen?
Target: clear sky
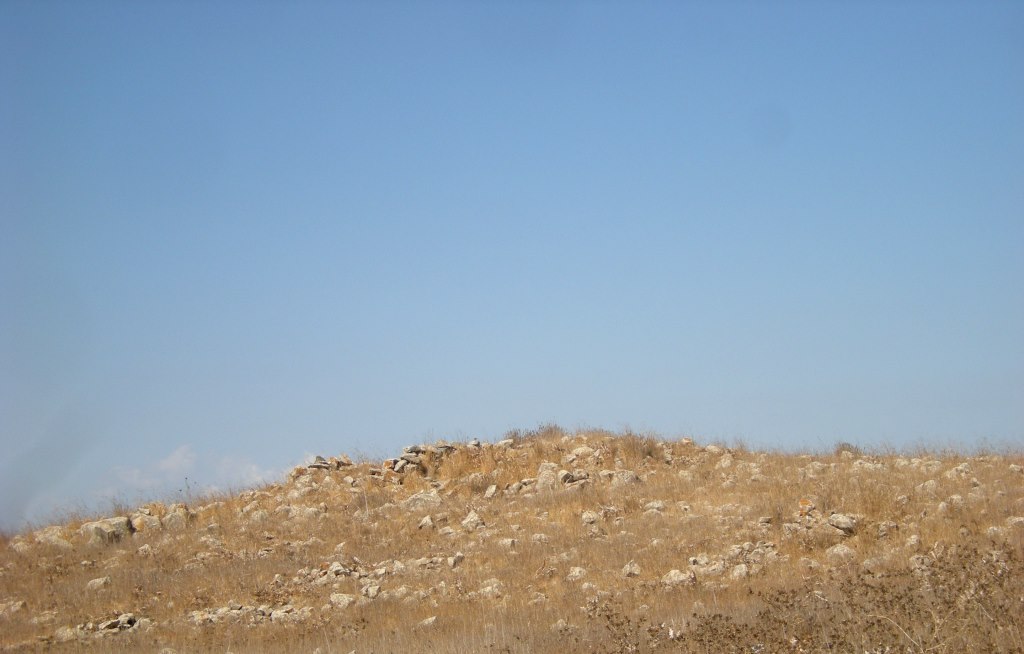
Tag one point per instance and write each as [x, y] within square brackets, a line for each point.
[236, 234]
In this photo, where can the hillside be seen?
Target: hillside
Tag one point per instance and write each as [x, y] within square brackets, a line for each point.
[547, 541]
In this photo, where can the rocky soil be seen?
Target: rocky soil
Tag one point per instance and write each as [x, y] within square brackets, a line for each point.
[547, 541]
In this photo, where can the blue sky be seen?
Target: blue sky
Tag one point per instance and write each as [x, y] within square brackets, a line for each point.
[236, 234]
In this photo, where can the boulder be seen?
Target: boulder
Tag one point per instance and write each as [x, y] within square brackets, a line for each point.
[674, 578]
[620, 478]
[472, 521]
[178, 517]
[108, 530]
[843, 523]
[547, 477]
[54, 537]
[839, 554]
[422, 501]
[68, 634]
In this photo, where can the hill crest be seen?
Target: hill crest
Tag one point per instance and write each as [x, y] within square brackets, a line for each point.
[589, 541]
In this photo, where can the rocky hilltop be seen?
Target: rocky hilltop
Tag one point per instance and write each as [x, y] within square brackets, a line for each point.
[547, 541]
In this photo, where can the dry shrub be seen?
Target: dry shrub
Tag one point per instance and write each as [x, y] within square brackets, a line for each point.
[963, 595]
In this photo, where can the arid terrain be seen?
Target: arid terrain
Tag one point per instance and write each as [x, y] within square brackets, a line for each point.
[547, 541]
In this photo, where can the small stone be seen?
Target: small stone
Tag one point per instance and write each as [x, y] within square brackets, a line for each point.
[454, 561]
[342, 600]
[426, 523]
[371, 591]
[491, 491]
[631, 569]
[429, 622]
[576, 573]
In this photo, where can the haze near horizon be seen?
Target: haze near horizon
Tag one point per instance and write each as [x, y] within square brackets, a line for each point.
[233, 235]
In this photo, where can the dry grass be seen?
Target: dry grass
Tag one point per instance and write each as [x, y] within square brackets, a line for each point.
[936, 561]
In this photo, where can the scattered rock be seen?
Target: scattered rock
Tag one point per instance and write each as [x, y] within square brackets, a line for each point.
[472, 521]
[839, 554]
[53, 537]
[675, 578]
[619, 478]
[108, 530]
[631, 569]
[454, 561]
[422, 501]
[547, 477]
[178, 517]
[843, 523]
[11, 607]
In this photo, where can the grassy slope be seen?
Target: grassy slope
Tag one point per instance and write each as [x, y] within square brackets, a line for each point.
[934, 562]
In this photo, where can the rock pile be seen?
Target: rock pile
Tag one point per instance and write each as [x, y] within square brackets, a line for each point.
[121, 623]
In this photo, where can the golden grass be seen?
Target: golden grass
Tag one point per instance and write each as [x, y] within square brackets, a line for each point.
[709, 509]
